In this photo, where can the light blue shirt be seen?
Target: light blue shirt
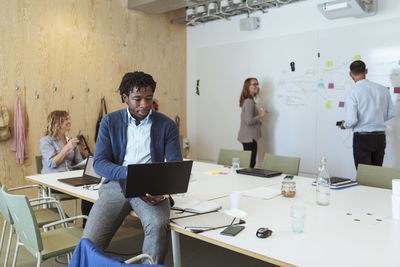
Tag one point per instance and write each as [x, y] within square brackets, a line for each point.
[138, 141]
[368, 106]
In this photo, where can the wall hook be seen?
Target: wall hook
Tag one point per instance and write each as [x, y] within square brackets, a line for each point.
[116, 88]
[36, 94]
[16, 86]
[53, 85]
[87, 89]
[101, 95]
[71, 96]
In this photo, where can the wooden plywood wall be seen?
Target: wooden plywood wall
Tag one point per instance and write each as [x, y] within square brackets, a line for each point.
[83, 47]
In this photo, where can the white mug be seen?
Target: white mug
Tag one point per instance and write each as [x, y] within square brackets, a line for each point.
[234, 199]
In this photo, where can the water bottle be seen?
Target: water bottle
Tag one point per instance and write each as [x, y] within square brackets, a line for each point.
[323, 184]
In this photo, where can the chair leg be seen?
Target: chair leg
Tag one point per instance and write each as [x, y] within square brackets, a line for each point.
[76, 208]
[16, 252]
[2, 236]
[39, 259]
[8, 245]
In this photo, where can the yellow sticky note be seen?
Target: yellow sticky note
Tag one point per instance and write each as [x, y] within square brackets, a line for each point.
[212, 172]
[329, 63]
[357, 57]
[328, 105]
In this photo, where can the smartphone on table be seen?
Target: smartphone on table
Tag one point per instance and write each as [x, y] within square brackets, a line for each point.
[232, 230]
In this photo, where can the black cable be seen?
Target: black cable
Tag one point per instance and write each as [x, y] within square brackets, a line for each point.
[59, 261]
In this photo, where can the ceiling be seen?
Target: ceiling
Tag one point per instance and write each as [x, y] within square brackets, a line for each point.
[201, 11]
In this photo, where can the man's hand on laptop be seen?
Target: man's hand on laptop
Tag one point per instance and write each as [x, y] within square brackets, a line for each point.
[153, 200]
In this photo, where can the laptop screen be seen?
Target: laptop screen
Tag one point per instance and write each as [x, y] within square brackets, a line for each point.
[89, 171]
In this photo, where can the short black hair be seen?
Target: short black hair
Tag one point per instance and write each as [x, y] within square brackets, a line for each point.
[135, 80]
[357, 67]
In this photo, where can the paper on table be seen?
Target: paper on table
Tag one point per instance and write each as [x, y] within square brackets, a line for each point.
[80, 165]
[195, 205]
[205, 222]
[261, 192]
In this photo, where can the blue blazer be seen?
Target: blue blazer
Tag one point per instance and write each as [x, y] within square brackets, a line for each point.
[111, 143]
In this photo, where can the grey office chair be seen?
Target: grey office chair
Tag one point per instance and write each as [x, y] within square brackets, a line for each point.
[226, 155]
[377, 176]
[286, 165]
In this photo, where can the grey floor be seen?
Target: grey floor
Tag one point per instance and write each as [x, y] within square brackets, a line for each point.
[127, 242]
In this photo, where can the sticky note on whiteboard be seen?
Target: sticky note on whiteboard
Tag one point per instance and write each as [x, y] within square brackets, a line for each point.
[320, 85]
[397, 90]
[341, 104]
[331, 85]
[357, 57]
[329, 63]
[328, 105]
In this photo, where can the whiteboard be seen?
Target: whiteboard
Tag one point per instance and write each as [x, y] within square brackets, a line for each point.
[303, 105]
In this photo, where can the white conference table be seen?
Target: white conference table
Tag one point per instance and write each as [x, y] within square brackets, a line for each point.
[356, 229]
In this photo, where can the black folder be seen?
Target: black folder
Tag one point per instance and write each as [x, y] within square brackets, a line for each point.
[258, 172]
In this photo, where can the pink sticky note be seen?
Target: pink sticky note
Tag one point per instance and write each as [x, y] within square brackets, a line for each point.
[331, 85]
[397, 90]
[341, 104]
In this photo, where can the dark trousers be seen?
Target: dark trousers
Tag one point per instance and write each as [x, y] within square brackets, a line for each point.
[369, 149]
[86, 206]
[253, 148]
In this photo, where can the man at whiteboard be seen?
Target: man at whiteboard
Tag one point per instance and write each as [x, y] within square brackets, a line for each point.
[368, 107]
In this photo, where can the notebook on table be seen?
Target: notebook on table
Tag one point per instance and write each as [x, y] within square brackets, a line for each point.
[258, 172]
[89, 176]
[339, 183]
[158, 178]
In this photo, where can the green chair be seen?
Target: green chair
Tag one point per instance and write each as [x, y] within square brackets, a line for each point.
[42, 245]
[226, 155]
[43, 215]
[286, 165]
[377, 176]
[58, 196]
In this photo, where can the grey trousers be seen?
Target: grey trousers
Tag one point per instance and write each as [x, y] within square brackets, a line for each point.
[110, 210]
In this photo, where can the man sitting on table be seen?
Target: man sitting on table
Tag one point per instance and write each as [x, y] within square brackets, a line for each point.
[136, 134]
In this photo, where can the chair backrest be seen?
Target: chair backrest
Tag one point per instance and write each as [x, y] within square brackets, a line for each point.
[24, 221]
[377, 176]
[226, 155]
[88, 254]
[38, 163]
[4, 208]
[287, 165]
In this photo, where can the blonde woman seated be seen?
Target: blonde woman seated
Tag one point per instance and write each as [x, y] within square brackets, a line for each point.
[59, 153]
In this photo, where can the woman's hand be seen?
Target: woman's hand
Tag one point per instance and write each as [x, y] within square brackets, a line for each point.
[262, 112]
[72, 143]
[153, 200]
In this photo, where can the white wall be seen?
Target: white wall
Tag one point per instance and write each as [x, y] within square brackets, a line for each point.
[294, 19]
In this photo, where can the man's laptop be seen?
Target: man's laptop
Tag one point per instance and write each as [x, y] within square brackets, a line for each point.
[160, 178]
[258, 172]
[89, 176]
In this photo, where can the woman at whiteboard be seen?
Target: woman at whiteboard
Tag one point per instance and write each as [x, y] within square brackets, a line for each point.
[250, 118]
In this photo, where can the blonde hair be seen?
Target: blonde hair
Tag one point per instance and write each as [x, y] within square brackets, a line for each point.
[54, 122]
[245, 91]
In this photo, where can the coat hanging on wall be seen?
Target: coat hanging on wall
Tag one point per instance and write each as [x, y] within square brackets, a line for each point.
[18, 141]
